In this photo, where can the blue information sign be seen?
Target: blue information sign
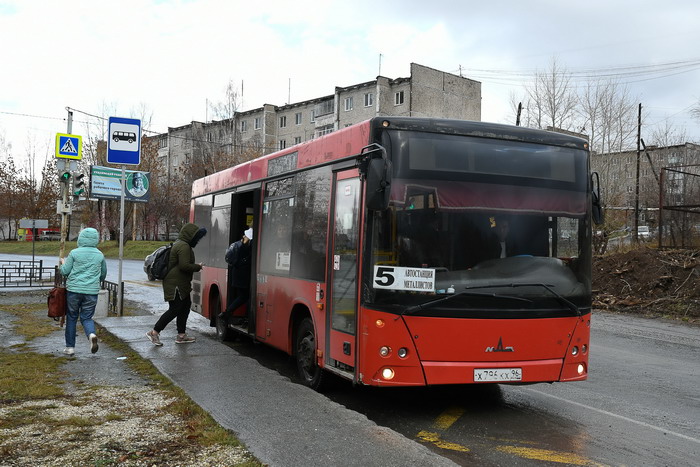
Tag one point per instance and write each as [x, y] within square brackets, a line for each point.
[124, 145]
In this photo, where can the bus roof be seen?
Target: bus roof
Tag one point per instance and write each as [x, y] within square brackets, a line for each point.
[352, 139]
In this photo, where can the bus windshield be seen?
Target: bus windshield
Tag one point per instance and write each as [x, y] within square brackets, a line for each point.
[506, 221]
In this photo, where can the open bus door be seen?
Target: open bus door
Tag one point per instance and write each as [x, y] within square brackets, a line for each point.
[244, 215]
[341, 316]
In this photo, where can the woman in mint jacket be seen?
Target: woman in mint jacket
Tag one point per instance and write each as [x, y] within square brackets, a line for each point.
[85, 268]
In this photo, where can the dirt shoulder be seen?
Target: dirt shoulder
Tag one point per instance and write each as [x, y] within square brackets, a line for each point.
[649, 282]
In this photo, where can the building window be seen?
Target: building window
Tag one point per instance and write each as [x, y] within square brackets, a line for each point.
[313, 116]
[244, 126]
[297, 118]
[324, 108]
[369, 99]
[163, 142]
[283, 143]
[209, 137]
[348, 103]
[324, 130]
[297, 139]
[257, 123]
[283, 121]
[398, 98]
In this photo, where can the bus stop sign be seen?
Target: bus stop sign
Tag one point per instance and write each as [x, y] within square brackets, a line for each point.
[124, 145]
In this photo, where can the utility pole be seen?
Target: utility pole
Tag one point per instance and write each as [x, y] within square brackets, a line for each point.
[65, 195]
[636, 195]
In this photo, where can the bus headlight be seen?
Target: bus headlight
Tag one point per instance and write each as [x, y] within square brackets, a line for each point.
[574, 350]
[384, 351]
[403, 351]
[584, 348]
[581, 368]
[388, 373]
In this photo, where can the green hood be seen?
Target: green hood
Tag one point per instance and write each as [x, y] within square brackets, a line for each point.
[187, 233]
[88, 237]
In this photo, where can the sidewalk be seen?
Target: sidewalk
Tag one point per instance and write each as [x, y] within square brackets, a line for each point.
[280, 422]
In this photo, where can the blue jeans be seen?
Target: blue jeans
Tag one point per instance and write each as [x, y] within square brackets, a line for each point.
[81, 306]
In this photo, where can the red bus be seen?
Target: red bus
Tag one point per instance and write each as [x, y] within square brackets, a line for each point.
[376, 255]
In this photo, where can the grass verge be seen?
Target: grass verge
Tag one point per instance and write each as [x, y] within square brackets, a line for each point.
[32, 383]
[132, 249]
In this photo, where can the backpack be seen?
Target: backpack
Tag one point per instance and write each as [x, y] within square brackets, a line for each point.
[159, 268]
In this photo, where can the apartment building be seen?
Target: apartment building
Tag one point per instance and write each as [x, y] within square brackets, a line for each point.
[618, 173]
[425, 93]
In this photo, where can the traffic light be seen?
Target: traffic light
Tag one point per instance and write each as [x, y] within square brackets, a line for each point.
[64, 177]
[78, 184]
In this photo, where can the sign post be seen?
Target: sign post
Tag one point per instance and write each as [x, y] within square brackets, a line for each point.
[33, 224]
[124, 147]
[69, 149]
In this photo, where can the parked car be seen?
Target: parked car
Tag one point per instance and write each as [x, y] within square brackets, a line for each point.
[148, 262]
[50, 235]
[643, 232]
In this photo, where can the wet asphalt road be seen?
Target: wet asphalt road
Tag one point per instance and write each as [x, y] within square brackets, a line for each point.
[640, 405]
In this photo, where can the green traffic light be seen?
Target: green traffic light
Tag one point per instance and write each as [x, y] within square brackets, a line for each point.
[65, 177]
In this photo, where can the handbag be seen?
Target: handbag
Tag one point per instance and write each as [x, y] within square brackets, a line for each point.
[56, 303]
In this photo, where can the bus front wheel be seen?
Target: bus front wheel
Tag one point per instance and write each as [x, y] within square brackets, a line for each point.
[309, 372]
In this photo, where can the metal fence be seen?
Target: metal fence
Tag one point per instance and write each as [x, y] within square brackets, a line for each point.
[26, 274]
[35, 274]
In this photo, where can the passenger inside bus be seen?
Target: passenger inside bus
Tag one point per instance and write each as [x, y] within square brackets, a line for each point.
[238, 256]
[500, 243]
[423, 241]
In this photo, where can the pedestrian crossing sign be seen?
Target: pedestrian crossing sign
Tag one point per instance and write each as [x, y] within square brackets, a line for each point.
[69, 146]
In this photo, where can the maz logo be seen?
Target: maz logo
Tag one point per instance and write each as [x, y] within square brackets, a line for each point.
[499, 347]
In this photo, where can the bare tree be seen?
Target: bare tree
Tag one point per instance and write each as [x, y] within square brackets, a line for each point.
[695, 111]
[666, 134]
[609, 116]
[551, 99]
[229, 140]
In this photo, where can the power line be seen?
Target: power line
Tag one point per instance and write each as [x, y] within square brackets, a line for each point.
[31, 116]
[585, 76]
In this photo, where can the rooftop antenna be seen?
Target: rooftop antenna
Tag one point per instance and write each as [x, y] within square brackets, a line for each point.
[380, 65]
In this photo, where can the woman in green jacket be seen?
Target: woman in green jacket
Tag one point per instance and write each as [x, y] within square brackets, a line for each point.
[85, 268]
[177, 284]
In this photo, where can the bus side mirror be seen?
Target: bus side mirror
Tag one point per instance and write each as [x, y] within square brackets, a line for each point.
[378, 184]
[597, 206]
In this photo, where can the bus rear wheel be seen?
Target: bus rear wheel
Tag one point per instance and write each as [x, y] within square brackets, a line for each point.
[309, 372]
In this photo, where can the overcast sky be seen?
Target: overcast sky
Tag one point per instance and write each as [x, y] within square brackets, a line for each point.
[171, 56]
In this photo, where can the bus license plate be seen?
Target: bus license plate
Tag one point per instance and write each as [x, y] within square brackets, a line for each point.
[490, 375]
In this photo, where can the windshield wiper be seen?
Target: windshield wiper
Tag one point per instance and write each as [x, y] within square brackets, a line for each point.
[428, 304]
[569, 304]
